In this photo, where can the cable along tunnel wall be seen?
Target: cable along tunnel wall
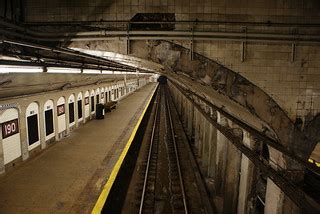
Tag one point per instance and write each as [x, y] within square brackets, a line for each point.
[232, 161]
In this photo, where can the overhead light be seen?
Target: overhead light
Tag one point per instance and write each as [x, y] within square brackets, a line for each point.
[62, 70]
[107, 72]
[91, 71]
[117, 72]
[19, 69]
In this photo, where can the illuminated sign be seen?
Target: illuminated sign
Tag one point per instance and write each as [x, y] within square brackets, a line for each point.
[60, 109]
[10, 128]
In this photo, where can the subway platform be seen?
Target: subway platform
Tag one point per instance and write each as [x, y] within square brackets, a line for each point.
[68, 177]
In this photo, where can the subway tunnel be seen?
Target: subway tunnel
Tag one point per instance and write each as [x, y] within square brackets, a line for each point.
[159, 106]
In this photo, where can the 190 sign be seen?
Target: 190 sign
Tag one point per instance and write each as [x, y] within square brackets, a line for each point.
[10, 128]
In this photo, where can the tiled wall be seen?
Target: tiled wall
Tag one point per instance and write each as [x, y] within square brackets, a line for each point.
[292, 84]
[251, 10]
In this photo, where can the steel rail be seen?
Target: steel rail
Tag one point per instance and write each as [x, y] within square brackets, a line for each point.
[177, 156]
[149, 154]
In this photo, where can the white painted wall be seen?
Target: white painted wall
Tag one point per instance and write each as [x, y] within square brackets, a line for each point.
[33, 109]
[62, 116]
[48, 106]
[11, 145]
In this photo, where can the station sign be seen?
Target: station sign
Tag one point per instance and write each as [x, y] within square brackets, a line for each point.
[10, 128]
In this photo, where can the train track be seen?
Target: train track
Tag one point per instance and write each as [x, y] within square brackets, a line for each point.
[177, 196]
[166, 178]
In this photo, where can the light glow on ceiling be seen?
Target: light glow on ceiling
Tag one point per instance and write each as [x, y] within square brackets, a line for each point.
[63, 70]
[19, 69]
[91, 71]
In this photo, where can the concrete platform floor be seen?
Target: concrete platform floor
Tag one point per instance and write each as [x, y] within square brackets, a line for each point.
[68, 176]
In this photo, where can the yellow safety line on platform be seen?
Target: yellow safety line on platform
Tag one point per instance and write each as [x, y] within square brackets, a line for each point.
[107, 187]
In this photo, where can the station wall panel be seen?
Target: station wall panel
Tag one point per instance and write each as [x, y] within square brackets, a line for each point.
[49, 119]
[92, 96]
[71, 106]
[32, 115]
[79, 106]
[61, 111]
[11, 142]
[86, 105]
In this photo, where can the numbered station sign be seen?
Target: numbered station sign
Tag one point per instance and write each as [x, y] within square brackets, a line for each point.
[10, 128]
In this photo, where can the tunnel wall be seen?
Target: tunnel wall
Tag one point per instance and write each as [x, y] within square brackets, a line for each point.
[43, 118]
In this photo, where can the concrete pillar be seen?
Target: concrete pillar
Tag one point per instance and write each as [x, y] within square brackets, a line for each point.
[232, 177]
[76, 110]
[274, 198]
[186, 113]
[221, 157]
[205, 147]
[196, 129]
[55, 114]
[67, 113]
[41, 126]
[84, 120]
[276, 201]
[190, 120]
[246, 177]
[212, 151]
[200, 138]
[2, 169]
[23, 134]
[180, 103]
[182, 117]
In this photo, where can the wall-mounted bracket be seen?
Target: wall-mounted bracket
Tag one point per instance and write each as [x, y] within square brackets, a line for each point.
[293, 52]
[243, 51]
[192, 42]
[128, 39]
[243, 46]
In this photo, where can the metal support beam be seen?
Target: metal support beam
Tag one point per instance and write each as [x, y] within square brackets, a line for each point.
[128, 39]
[293, 52]
[192, 43]
[243, 51]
